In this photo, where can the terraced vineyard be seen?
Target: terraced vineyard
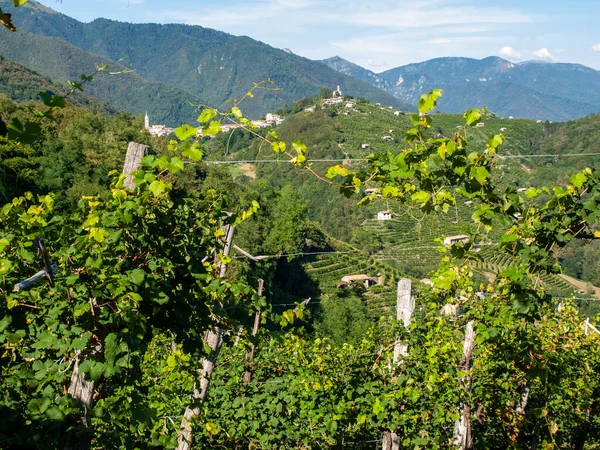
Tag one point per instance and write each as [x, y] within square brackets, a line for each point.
[411, 248]
[412, 244]
[328, 270]
[494, 263]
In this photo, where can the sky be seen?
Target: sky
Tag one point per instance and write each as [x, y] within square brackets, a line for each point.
[381, 34]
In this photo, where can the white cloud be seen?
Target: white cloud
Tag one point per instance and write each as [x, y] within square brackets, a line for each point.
[596, 47]
[411, 15]
[509, 52]
[545, 55]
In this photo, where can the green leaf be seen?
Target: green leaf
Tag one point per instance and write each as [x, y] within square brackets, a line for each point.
[578, 179]
[421, 197]
[427, 102]
[300, 148]
[496, 140]
[39, 405]
[236, 112]
[96, 371]
[55, 414]
[136, 276]
[19, 2]
[185, 132]
[481, 174]
[194, 152]
[278, 147]
[157, 187]
[3, 244]
[52, 101]
[206, 115]
[176, 164]
[508, 238]
[532, 192]
[26, 133]
[337, 171]
[213, 128]
[472, 117]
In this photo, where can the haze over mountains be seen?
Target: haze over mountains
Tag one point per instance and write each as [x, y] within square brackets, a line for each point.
[178, 66]
[533, 90]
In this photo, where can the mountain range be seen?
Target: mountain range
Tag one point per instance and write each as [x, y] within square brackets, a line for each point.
[534, 89]
[197, 63]
[168, 70]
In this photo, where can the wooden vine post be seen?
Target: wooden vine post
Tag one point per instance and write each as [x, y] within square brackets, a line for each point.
[81, 389]
[135, 153]
[214, 339]
[462, 427]
[250, 355]
[405, 307]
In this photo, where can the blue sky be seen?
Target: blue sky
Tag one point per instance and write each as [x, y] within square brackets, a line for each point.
[381, 34]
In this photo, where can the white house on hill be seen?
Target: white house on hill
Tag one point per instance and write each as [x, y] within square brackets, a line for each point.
[464, 238]
[384, 215]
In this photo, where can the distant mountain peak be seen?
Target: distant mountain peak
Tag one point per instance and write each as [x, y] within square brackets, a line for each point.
[531, 89]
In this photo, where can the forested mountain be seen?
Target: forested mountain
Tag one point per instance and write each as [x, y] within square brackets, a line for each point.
[124, 91]
[539, 91]
[209, 64]
[21, 84]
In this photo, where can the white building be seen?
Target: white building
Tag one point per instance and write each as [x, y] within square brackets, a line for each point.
[464, 238]
[156, 130]
[273, 119]
[384, 215]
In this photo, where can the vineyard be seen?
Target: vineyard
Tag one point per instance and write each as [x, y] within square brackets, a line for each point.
[152, 301]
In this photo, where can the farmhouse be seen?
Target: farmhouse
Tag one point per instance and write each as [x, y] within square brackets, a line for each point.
[367, 280]
[384, 215]
[464, 238]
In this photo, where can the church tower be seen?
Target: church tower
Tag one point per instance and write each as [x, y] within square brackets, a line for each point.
[146, 121]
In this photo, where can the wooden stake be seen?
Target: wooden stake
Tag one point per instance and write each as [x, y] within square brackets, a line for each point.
[390, 441]
[405, 307]
[135, 153]
[214, 339]
[82, 392]
[250, 355]
[462, 427]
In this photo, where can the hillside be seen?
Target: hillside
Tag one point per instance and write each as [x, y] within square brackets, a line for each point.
[210, 64]
[407, 243]
[21, 84]
[124, 91]
[540, 91]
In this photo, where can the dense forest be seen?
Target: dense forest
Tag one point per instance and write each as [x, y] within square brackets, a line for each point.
[238, 290]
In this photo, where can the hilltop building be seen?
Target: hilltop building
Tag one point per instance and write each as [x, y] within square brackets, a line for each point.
[156, 130]
[336, 97]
